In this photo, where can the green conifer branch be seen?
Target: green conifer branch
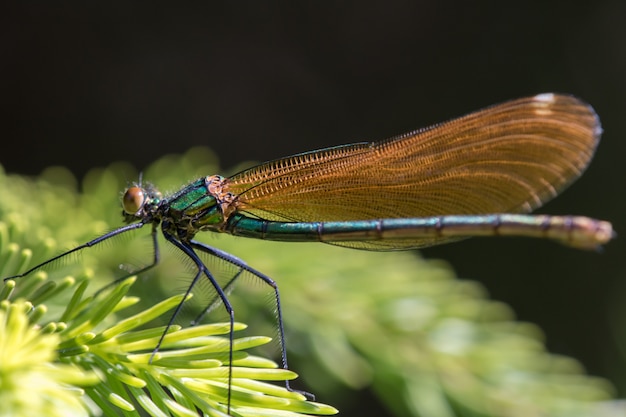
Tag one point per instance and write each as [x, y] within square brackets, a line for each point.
[110, 360]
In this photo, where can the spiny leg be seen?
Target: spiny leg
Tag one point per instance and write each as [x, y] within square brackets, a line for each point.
[156, 257]
[233, 260]
[89, 244]
[216, 300]
[187, 249]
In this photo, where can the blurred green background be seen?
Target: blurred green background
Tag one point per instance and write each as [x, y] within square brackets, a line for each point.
[84, 85]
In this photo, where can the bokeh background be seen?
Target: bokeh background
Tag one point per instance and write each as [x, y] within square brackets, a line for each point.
[84, 85]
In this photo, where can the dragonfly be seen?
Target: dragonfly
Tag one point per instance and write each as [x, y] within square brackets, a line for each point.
[477, 175]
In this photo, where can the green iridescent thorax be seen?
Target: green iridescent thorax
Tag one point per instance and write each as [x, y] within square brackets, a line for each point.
[201, 205]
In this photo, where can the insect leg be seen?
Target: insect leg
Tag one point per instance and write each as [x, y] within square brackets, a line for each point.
[156, 256]
[187, 249]
[89, 244]
[267, 280]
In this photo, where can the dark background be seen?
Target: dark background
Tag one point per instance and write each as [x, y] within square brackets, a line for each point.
[83, 85]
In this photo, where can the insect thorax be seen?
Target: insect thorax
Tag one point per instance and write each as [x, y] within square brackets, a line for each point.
[201, 205]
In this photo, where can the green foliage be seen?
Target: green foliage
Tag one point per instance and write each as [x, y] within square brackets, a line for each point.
[403, 327]
[48, 366]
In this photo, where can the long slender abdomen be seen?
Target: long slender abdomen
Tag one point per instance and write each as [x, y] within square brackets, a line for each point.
[389, 234]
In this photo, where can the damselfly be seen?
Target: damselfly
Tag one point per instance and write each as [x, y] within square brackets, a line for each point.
[473, 176]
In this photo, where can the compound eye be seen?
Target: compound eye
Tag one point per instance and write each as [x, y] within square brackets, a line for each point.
[133, 200]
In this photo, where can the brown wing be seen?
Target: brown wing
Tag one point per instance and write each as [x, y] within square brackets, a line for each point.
[511, 157]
